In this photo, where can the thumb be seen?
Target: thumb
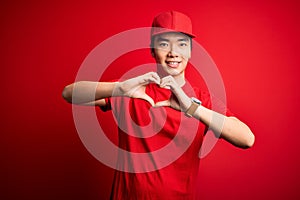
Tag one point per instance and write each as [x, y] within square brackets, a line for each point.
[148, 98]
[162, 103]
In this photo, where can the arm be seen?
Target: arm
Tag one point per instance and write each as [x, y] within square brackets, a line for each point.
[88, 93]
[93, 93]
[229, 128]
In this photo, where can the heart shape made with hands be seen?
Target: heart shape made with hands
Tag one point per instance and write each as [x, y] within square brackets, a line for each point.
[171, 102]
[136, 88]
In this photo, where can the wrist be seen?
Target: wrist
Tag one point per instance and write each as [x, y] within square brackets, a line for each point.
[117, 89]
[194, 104]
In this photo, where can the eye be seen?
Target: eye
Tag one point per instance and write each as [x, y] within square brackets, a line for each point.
[163, 44]
[183, 44]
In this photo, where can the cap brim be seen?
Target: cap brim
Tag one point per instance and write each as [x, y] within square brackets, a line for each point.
[171, 31]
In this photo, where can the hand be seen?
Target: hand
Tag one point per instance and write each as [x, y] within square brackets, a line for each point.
[135, 87]
[178, 100]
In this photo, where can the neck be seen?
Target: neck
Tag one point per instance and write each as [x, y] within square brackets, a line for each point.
[180, 79]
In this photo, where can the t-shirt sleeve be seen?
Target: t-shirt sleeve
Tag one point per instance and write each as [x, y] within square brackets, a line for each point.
[107, 105]
[213, 103]
[220, 106]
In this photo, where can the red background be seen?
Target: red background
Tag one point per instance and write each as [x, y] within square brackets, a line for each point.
[254, 43]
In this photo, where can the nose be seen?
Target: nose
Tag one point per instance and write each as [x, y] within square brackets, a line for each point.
[173, 52]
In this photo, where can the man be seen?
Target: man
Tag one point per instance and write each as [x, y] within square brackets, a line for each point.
[140, 101]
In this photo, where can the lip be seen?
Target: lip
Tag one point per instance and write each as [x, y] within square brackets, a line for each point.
[173, 64]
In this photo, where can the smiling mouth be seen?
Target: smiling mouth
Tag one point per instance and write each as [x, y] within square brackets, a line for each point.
[173, 64]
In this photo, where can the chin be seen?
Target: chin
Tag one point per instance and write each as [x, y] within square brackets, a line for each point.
[173, 72]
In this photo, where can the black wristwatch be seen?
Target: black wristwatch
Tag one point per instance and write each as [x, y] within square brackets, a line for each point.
[195, 104]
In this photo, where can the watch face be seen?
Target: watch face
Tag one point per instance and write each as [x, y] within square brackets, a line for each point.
[197, 101]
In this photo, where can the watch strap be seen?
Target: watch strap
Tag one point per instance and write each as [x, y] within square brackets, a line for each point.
[193, 107]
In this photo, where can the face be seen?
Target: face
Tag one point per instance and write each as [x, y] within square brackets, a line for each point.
[172, 52]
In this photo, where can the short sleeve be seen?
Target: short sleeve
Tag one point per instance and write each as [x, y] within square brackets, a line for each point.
[213, 103]
[220, 107]
[107, 105]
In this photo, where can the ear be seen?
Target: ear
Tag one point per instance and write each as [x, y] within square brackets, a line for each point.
[152, 52]
[191, 49]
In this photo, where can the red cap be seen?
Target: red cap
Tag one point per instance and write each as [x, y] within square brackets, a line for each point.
[172, 21]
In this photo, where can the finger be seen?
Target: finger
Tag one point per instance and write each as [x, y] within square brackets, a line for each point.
[150, 77]
[162, 103]
[165, 84]
[166, 87]
[166, 81]
[156, 77]
[148, 98]
[153, 77]
[153, 80]
[169, 77]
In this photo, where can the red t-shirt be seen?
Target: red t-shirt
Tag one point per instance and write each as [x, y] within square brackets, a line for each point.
[168, 141]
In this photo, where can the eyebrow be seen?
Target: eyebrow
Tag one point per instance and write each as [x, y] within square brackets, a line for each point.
[183, 40]
[161, 39]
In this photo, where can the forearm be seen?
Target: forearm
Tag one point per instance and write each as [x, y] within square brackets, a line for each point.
[229, 128]
[87, 92]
